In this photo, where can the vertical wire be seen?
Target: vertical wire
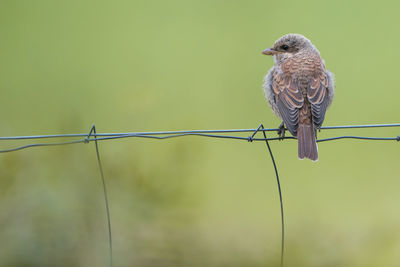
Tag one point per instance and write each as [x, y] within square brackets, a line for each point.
[93, 129]
[280, 199]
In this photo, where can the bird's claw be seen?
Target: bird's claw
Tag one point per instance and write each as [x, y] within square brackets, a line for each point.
[281, 131]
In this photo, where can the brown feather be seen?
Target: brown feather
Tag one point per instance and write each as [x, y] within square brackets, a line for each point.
[307, 145]
[299, 89]
[288, 99]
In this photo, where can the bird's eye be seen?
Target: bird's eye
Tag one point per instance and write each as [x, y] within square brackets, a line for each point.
[284, 47]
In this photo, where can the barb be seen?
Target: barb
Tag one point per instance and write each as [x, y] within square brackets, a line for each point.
[86, 140]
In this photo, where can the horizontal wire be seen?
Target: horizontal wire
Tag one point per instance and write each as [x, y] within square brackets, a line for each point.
[189, 132]
[397, 138]
[43, 144]
[250, 139]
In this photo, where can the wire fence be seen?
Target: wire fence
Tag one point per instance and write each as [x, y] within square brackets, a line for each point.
[86, 138]
[236, 134]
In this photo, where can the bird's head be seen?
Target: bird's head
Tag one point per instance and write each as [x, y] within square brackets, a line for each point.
[288, 45]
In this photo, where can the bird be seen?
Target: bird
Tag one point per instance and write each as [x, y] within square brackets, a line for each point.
[299, 90]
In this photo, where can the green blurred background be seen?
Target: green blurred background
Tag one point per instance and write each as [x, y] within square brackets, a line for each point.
[192, 201]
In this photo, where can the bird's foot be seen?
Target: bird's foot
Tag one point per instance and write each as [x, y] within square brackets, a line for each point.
[281, 131]
[317, 131]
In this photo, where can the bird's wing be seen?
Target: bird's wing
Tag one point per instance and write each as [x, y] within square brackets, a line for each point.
[288, 99]
[317, 94]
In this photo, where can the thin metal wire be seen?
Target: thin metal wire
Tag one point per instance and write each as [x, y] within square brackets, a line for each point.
[280, 199]
[191, 132]
[93, 131]
[397, 138]
[42, 144]
[260, 128]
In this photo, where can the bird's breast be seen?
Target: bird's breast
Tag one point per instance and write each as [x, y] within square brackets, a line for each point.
[302, 66]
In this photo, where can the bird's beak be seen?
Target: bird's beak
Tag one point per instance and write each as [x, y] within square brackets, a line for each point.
[270, 51]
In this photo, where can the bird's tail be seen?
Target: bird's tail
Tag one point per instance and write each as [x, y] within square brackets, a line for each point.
[307, 144]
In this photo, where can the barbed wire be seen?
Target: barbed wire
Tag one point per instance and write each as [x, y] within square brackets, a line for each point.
[92, 136]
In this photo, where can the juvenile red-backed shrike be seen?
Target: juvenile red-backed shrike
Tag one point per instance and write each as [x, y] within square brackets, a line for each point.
[299, 89]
